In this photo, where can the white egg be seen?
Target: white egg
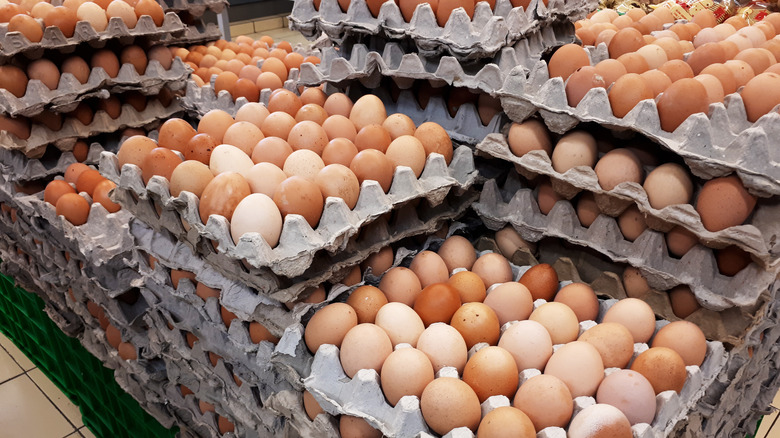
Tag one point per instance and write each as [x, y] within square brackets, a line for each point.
[257, 213]
[265, 178]
[227, 158]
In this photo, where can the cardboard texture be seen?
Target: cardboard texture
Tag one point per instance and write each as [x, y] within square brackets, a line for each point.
[13, 43]
[714, 144]
[299, 243]
[362, 395]
[466, 38]
[515, 204]
[72, 130]
[196, 8]
[758, 236]
[19, 168]
[70, 92]
[197, 33]
[385, 58]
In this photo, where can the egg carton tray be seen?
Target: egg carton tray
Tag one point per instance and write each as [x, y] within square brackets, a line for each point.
[758, 236]
[73, 130]
[153, 399]
[466, 38]
[362, 395]
[14, 43]
[195, 8]
[298, 242]
[197, 33]
[70, 92]
[19, 168]
[200, 100]
[712, 145]
[369, 62]
[743, 391]
[647, 253]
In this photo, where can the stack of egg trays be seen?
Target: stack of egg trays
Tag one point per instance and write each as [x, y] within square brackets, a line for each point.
[713, 145]
[515, 204]
[304, 256]
[198, 32]
[72, 130]
[466, 38]
[362, 395]
[70, 92]
[370, 60]
[195, 8]
[14, 43]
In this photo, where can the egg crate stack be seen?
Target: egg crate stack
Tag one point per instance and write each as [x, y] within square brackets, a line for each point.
[467, 38]
[72, 130]
[196, 32]
[304, 256]
[70, 92]
[195, 8]
[721, 142]
[15, 43]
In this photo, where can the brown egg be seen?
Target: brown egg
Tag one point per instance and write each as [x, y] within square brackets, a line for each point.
[506, 418]
[578, 364]
[401, 285]
[134, 150]
[222, 195]
[723, 203]
[405, 372]
[175, 134]
[338, 181]
[448, 403]
[546, 400]
[609, 70]
[492, 268]
[297, 195]
[76, 66]
[13, 79]
[613, 341]
[367, 300]
[429, 268]
[225, 81]
[457, 252]
[75, 170]
[272, 150]
[159, 161]
[100, 195]
[63, 18]
[634, 314]
[627, 92]
[625, 41]
[581, 299]
[528, 136]
[150, 8]
[284, 101]
[731, 260]
[308, 135]
[338, 103]
[136, 56]
[470, 287]
[671, 47]
[663, 367]
[27, 26]
[677, 69]
[338, 126]
[683, 301]
[679, 241]
[581, 81]
[600, 420]
[511, 301]
[365, 346]
[106, 60]
[704, 55]
[55, 189]
[741, 70]
[373, 136]
[74, 208]
[199, 148]
[215, 123]
[437, 303]
[760, 95]
[542, 281]
[566, 60]
[686, 338]
[435, 140]
[546, 197]
[399, 124]
[379, 262]
[445, 8]
[278, 124]
[618, 166]
[491, 371]
[657, 81]
[477, 323]
[258, 333]
[329, 325]
[373, 165]
[312, 112]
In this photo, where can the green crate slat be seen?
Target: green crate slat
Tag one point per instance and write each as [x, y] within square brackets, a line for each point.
[106, 409]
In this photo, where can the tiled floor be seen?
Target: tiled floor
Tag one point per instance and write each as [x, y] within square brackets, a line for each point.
[30, 404]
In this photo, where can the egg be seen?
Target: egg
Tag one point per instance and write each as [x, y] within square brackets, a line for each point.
[576, 148]
[686, 338]
[297, 195]
[469, 286]
[272, 150]
[581, 299]
[308, 135]
[304, 163]
[338, 126]
[506, 418]
[457, 252]
[583, 379]
[257, 213]
[430, 268]
[399, 124]
[630, 392]
[631, 223]
[329, 325]
[444, 346]
[252, 112]
[731, 260]
[373, 136]
[613, 341]
[311, 112]
[477, 323]
[683, 301]
[338, 103]
[227, 158]
[215, 123]
[492, 268]
[222, 194]
[434, 140]
[199, 148]
[134, 150]
[401, 285]
[662, 367]
[373, 165]
[401, 323]
[627, 92]
[528, 136]
[150, 8]
[617, 166]
[365, 346]
[546, 400]
[278, 124]
[600, 420]
[437, 303]
[160, 162]
[636, 315]
[367, 300]
[682, 99]
[448, 403]
[541, 280]
[511, 301]
[510, 241]
[668, 184]
[73, 207]
[679, 241]
[14, 80]
[405, 372]
[566, 60]
[243, 135]
[63, 18]
[723, 203]
[760, 95]
[380, 261]
[27, 26]
[407, 151]
[446, 7]
[106, 60]
[491, 371]
[265, 178]
[338, 181]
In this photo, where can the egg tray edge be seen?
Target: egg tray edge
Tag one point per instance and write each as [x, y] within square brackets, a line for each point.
[196, 8]
[754, 238]
[197, 33]
[14, 43]
[70, 92]
[647, 253]
[467, 39]
[712, 145]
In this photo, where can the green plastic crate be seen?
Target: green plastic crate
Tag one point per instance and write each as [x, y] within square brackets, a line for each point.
[106, 409]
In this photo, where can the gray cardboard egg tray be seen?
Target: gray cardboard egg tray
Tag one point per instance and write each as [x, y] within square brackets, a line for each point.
[72, 129]
[466, 38]
[70, 92]
[299, 242]
[198, 33]
[196, 8]
[516, 205]
[362, 395]
[18, 168]
[758, 236]
[384, 58]
[13, 43]
[712, 145]
[153, 399]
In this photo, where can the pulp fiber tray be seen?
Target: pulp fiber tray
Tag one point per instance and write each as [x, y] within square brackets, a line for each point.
[197, 33]
[105, 408]
[196, 8]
